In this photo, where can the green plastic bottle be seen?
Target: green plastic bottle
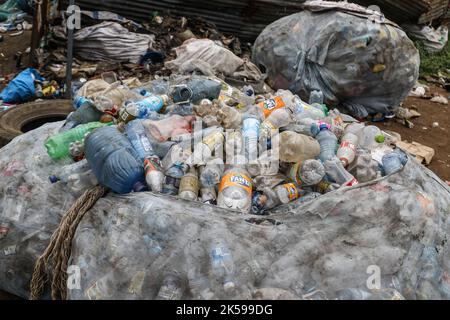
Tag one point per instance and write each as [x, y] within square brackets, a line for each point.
[58, 145]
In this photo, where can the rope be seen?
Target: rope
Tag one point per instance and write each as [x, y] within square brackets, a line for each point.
[56, 256]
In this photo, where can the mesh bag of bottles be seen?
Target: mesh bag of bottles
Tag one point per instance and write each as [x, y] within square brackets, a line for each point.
[362, 62]
[391, 243]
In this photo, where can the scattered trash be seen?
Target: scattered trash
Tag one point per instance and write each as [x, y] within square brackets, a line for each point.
[434, 40]
[440, 99]
[22, 87]
[435, 125]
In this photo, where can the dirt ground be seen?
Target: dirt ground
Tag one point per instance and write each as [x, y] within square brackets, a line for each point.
[423, 132]
[9, 47]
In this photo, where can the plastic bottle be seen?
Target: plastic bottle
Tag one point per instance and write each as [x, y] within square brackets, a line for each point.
[222, 265]
[235, 190]
[369, 137]
[180, 109]
[141, 109]
[295, 147]
[208, 195]
[233, 97]
[264, 200]
[171, 185]
[154, 175]
[270, 105]
[113, 160]
[336, 171]
[233, 146]
[204, 151]
[353, 294]
[354, 128]
[347, 150]
[251, 123]
[287, 192]
[58, 145]
[229, 117]
[189, 185]
[394, 161]
[211, 174]
[277, 119]
[364, 168]
[304, 126]
[137, 135]
[85, 112]
[195, 90]
[316, 96]
[328, 144]
[266, 165]
[172, 287]
[303, 110]
[307, 173]
[67, 170]
[164, 129]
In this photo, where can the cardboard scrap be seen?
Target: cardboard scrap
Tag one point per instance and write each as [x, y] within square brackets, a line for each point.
[421, 152]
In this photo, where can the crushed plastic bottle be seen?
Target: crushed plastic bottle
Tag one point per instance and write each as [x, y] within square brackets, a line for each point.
[211, 146]
[85, 112]
[287, 192]
[143, 108]
[306, 173]
[347, 150]
[172, 288]
[208, 195]
[194, 90]
[316, 96]
[154, 175]
[222, 265]
[394, 161]
[251, 124]
[295, 147]
[235, 190]
[336, 171]
[277, 119]
[137, 135]
[364, 168]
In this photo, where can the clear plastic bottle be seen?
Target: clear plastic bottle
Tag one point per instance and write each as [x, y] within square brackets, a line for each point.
[347, 150]
[235, 190]
[189, 185]
[295, 147]
[336, 171]
[334, 119]
[211, 174]
[354, 128]
[251, 123]
[328, 145]
[233, 146]
[370, 137]
[212, 145]
[303, 110]
[277, 119]
[287, 192]
[353, 294]
[229, 117]
[137, 135]
[196, 89]
[270, 105]
[77, 176]
[306, 126]
[222, 265]
[172, 288]
[307, 173]
[208, 195]
[154, 175]
[316, 96]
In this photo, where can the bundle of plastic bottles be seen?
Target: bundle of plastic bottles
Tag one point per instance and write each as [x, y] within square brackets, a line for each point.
[204, 140]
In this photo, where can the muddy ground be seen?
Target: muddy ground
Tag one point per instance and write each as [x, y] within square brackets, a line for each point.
[422, 132]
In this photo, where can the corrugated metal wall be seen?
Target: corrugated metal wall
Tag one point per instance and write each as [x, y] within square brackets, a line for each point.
[245, 18]
[437, 9]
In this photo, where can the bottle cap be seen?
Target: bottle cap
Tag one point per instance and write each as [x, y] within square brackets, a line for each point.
[165, 99]
[379, 138]
[325, 109]
[53, 179]
[229, 286]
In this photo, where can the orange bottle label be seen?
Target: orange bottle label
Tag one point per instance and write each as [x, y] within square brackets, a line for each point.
[271, 105]
[294, 173]
[238, 180]
[292, 191]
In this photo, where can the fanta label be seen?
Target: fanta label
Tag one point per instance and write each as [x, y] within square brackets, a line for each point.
[271, 105]
[237, 180]
[292, 191]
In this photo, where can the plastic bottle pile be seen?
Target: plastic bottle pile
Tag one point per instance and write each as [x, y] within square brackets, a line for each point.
[204, 140]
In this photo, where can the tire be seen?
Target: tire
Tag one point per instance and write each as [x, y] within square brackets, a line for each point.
[14, 120]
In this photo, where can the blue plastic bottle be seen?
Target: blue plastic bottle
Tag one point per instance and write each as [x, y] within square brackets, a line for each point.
[394, 161]
[114, 161]
[137, 135]
[328, 144]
